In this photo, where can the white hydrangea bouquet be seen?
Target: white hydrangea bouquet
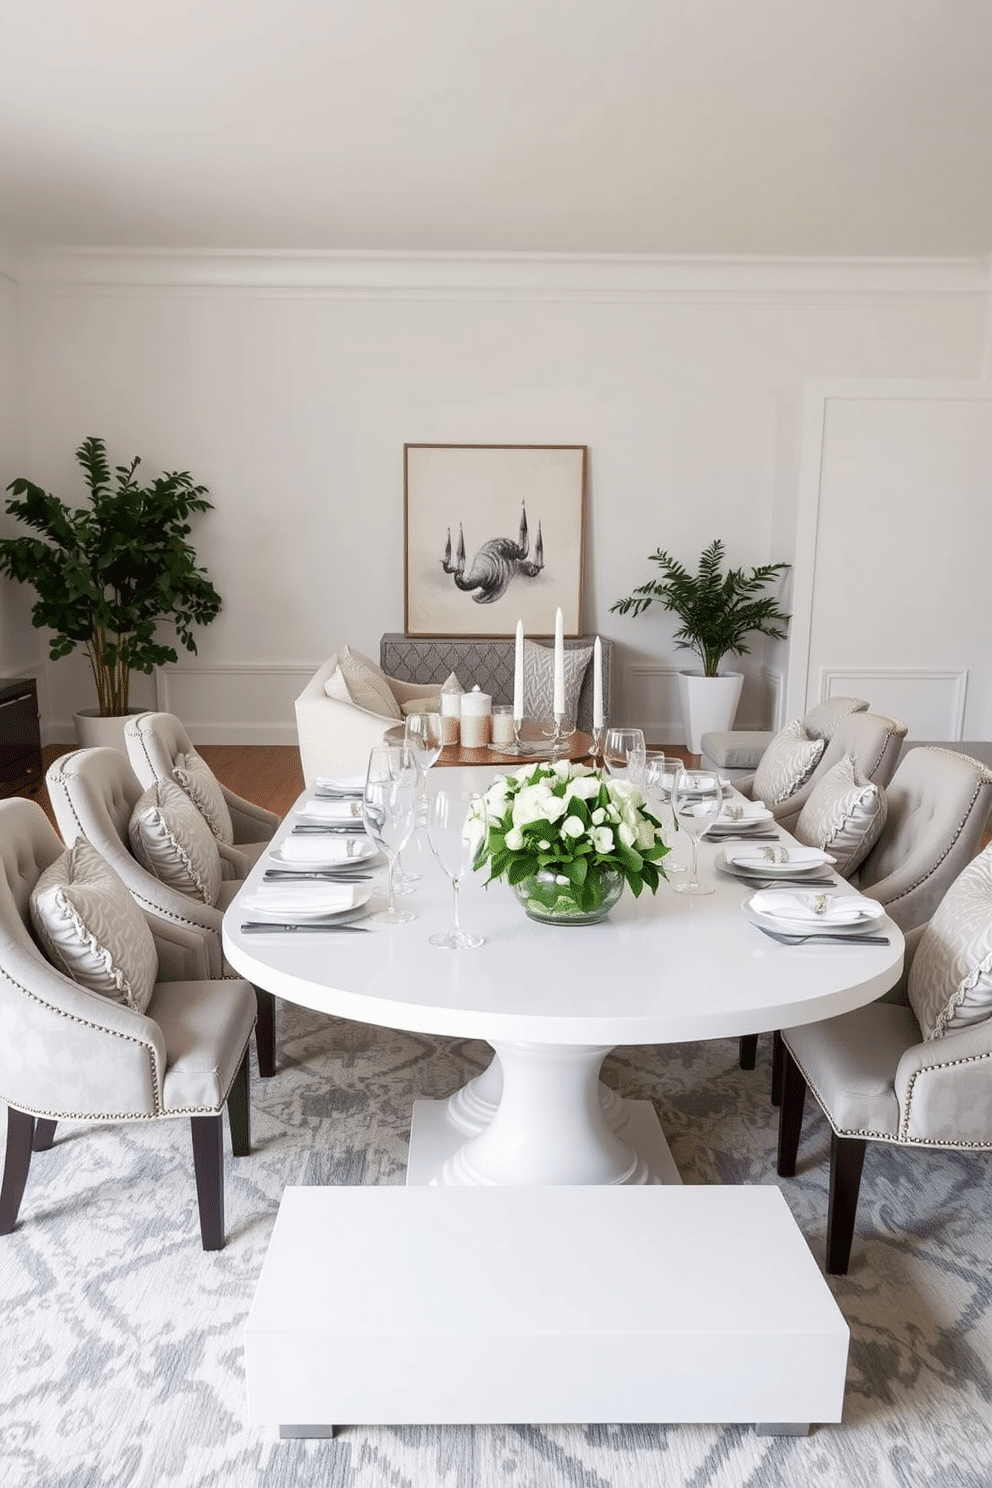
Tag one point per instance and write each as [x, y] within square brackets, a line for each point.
[567, 839]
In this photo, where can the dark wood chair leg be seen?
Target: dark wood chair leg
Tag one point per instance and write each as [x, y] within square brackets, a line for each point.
[44, 1134]
[265, 1032]
[208, 1165]
[748, 1051]
[778, 1067]
[790, 1116]
[847, 1156]
[20, 1135]
[239, 1109]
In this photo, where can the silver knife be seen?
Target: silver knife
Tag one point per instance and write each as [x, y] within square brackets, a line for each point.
[305, 926]
[352, 827]
[338, 875]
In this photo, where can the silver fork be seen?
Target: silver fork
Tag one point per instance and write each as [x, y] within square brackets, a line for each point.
[851, 939]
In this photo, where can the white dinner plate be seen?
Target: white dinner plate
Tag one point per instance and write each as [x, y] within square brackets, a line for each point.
[306, 901]
[334, 813]
[759, 861]
[865, 913]
[347, 785]
[324, 851]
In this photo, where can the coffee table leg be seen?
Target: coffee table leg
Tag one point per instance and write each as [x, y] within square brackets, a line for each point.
[548, 1126]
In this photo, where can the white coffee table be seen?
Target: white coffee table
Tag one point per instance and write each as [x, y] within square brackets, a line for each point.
[552, 1002]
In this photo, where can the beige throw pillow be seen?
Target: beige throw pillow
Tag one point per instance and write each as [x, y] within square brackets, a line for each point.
[204, 790]
[358, 680]
[539, 677]
[91, 929]
[170, 838]
[844, 815]
[786, 764]
[950, 980]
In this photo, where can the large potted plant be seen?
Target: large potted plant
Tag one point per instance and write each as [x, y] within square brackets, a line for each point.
[718, 612]
[109, 572]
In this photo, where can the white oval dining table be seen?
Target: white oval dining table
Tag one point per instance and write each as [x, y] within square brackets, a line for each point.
[554, 1001]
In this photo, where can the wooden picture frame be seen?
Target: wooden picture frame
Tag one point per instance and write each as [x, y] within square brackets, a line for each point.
[494, 534]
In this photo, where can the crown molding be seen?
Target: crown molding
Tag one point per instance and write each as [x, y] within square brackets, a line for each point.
[514, 276]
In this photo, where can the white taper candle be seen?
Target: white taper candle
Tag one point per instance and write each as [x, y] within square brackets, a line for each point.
[558, 706]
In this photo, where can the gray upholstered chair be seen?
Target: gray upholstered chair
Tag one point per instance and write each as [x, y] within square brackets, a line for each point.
[158, 746]
[938, 807]
[913, 1069]
[871, 740]
[93, 794]
[736, 753]
[70, 1053]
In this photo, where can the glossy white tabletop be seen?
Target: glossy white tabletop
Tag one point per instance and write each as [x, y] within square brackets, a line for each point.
[661, 969]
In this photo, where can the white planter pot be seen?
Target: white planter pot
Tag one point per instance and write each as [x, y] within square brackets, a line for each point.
[709, 704]
[92, 729]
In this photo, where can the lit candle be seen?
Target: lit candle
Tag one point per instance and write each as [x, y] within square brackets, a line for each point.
[558, 706]
[518, 675]
[597, 685]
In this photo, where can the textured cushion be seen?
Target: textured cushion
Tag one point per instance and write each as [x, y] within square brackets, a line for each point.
[91, 929]
[204, 790]
[422, 705]
[786, 764]
[844, 815]
[822, 720]
[170, 838]
[950, 980]
[367, 684]
[539, 678]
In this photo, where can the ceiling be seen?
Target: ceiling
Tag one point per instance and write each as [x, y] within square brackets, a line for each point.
[727, 127]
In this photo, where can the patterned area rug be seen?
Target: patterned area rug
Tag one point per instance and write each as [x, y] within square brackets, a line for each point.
[121, 1348]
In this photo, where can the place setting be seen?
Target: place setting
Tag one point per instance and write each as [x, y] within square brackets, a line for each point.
[765, 865]
[739, 819]
[795, 917]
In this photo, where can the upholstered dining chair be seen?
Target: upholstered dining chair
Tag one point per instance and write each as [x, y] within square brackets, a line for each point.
[871, 740]
[737, 753]
[112, 1042]
[936, 809]
[913, 1069]
[159, 748]
[94, 793]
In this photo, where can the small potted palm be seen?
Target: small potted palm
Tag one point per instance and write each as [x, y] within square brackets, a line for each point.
[718, 612]
[109, 572]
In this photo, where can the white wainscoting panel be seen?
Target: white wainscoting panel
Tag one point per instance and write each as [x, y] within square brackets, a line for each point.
[930, 702]
[250, 704]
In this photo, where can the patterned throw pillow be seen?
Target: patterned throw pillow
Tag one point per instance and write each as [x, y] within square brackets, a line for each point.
[91, 929]
[950, 980]
[204, 790]
[358, 680]
[430, 704]
[170, 838]
[844, 815]
[786, 764]
[539, 678]
[821, 721]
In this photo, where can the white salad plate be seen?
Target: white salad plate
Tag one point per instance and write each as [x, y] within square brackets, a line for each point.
[795, 912]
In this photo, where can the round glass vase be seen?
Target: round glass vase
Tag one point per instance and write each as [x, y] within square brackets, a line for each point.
[553, 903]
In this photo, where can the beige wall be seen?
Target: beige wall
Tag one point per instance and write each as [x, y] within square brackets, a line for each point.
[288, 386]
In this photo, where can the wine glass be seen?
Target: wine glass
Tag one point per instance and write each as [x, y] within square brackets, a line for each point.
[696, 799]
[456, 830]
[389, 810]
[660, 771]
[623, 753]
[422, 733]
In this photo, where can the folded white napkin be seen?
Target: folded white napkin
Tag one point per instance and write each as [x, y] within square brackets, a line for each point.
[305, 898]
[301, 847]
[351, 783]
[732, 813]
[826, 909]
[760, 855]
[331, 811]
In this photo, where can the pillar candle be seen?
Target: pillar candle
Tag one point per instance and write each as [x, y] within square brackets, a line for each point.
[558, 706]
[518, 674]
[597, 685]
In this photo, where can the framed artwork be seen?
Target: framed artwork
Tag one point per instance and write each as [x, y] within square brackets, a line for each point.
[494, 534]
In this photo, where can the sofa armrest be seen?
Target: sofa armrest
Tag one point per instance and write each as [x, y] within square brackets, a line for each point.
[335, 738]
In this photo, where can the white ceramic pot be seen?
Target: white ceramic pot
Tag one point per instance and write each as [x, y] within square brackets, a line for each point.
[93, 729]
[709, 704]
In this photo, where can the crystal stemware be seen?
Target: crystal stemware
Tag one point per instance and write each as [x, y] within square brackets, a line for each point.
[660, 771]
[389, 810]
[623, 753]
[456, 830]
[696, 800]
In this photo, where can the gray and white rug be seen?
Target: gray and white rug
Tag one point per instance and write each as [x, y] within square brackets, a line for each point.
[121, 1342]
